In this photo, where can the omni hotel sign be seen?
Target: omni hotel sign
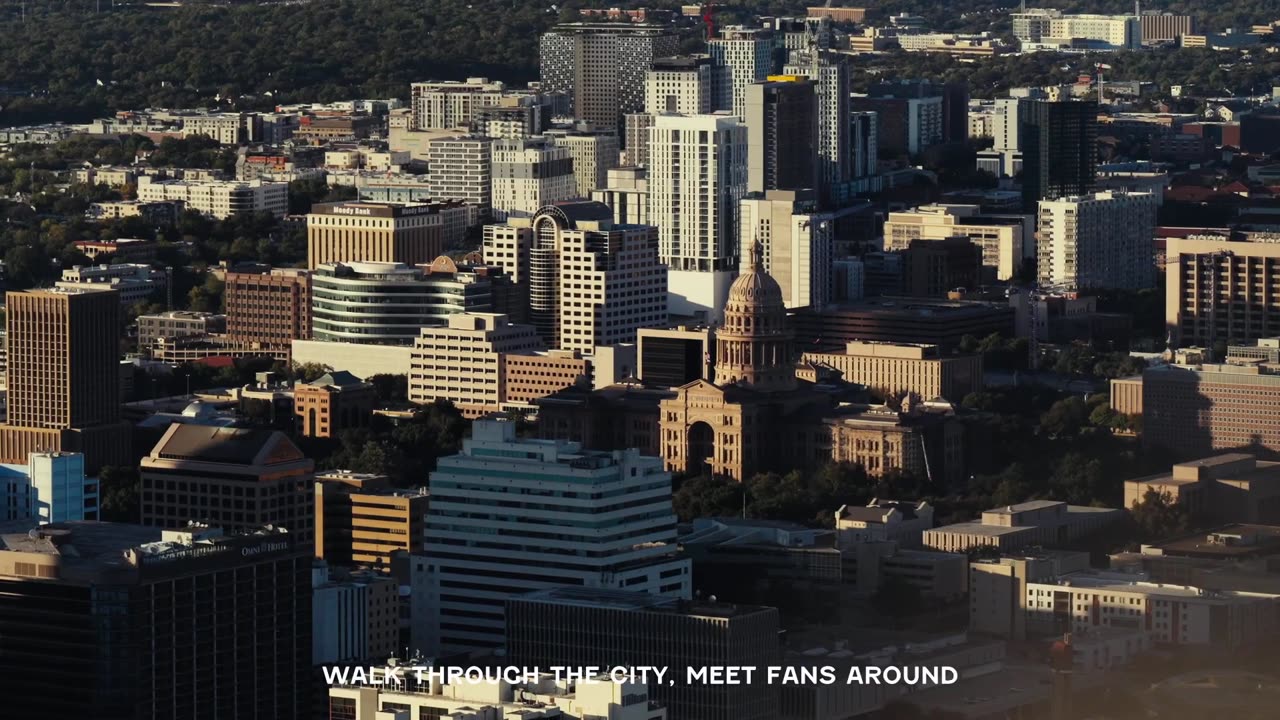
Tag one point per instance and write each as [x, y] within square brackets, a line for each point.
[378, 211]
[230, 551]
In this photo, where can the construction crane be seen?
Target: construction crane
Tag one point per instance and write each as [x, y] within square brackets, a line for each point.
[709, 19]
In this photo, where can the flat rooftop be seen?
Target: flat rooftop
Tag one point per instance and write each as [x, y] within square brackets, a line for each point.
[1254, 540]
[637, 602]
[977, 528]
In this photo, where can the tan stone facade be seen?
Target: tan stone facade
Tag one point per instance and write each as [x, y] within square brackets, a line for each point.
[895, 369]
[409, 233]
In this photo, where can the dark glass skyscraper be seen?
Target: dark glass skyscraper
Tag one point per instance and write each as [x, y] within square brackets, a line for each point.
[1059, 149]
[782, 136]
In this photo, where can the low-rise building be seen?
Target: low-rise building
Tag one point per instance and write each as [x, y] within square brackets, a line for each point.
[542, 699]
[333, 402]
[1230, 488]
[219, 199]
[997, 588]
[177, 323]
[123, 250]
[1174, 614]
[133, 281]
[895, 369]
[1038, 522]
[881, 520]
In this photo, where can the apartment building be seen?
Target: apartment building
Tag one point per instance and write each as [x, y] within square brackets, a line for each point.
[219, 199]
[602, 66]
[459, 168]
[594, 152]
[451, 104]
[528, 174]
[1219, 290]
[1099, 241]
[744, 56]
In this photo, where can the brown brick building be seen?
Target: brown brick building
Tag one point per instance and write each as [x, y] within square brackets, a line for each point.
[268, 310]
[332, 403]
[64, 376]
[234, 478]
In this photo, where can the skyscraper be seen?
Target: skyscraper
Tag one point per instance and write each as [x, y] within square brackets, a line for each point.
[189, 623]
[64, 376]
[746, 56]
[797, 243]
[1102, 241]
[683, 85]
[602, 66]
[511, 515]
[528, 174]
[836, 153]
[782, 134]
[1059, 149]
[594, 152]
[591, 282]
[697, 175]
[460, 170]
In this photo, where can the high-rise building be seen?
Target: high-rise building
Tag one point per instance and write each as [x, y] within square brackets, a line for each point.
[782, 134]
[935, 268]
[1059, 149]
[271, 309]
[911, 116]
[1103, 240]
[626, 191]
[594, 626]
[1198, 409]
[864, 137]
[361, 519]
[63, 375]
[386, 303]
[797, 243]
[1000, 237]
[459, 169]
[590, 282]
[697, 175]
[529, 174]
[605, 521]
[234, 477]
[202, 624]
[363, 231]
[671, 357]
[746, 57]
[594, 151]
[1217, 290]
[602, 66]
[682, 85]
[354, 615]
[1160, 27]
[462, 361]
[451, 104]
[837, 154]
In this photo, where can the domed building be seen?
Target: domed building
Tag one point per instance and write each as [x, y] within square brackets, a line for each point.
[725, 426]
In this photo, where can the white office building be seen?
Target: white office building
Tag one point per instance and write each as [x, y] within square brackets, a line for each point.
[511, 515]
[528, 174]
[591, 282]
[697, 176]
[1102, 240]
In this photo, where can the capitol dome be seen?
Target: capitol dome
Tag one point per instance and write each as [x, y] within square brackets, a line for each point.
[753, 344]
[756, 287]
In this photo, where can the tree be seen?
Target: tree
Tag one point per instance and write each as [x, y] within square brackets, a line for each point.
[1065, 417]
[1077, 479]
[119, 490]
[390, 389]
[25, 266]
[207, 297]
[1158, 517]
[706, 496]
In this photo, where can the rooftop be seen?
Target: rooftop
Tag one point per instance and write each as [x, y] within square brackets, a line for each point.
[240, 446]
[637, 602]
